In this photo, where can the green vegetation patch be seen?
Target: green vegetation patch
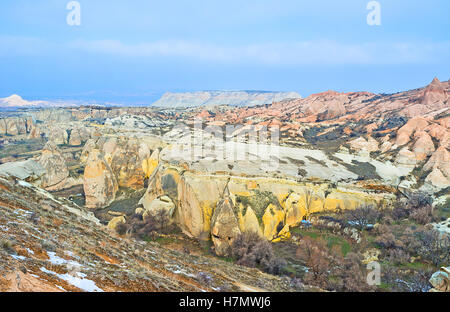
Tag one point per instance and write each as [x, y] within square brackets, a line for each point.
[259, 202]
[331, 239]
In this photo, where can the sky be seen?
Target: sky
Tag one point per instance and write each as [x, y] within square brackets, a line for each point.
[133, 51]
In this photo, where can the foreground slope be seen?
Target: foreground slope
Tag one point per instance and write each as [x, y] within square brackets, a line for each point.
[48, 244]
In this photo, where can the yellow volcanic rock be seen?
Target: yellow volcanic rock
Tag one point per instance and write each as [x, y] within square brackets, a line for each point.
[272, 218]
[249, 221]
[112, 225]
[284, 234]
[197, 195]
[148, 166]
[252, 185]
[294, 210]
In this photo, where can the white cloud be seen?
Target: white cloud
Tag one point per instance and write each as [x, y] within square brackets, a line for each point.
[293, 53]
[320, 52]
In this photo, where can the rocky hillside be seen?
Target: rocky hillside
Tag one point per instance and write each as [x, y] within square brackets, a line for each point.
[50, 244]
[216, 98]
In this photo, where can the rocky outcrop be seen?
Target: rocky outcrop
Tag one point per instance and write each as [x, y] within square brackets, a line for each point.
[56, 171]
[441, 280]
[131, 159]
[100, 185]
[406, 158]
[424, 146]
[114, 222]
[361, 144]
[57, 134]
[28, 170]
[440, 168]
[78, 135]
[434, 94]
[208, 206]
[163, 203]
[15, 125]
[61, 247]
[404, 134]
[224, 226]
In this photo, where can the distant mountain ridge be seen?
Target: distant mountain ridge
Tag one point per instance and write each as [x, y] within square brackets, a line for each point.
[16, 101]
[215, 98]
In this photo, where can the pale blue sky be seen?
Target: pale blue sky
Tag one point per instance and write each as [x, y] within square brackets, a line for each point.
[132, 51]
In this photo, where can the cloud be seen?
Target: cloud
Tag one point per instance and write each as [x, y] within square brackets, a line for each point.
[314, 53]
[292, 53]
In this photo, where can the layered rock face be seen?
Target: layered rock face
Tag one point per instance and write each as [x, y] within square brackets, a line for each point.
[131, 160]
[56, 171]
[214, 98]
[221, 207]
[100, 185]
[15, 125]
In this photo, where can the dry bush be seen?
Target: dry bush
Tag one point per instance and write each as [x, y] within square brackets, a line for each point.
[423, 215]
[387, 240]
[329, 270]
[140, 228]
[352, 275]
[434, 247]
[400, 281]
[398, 256]
[314, 253]
[362, 216]
[400, 211]
[251, 250]
[416, 201]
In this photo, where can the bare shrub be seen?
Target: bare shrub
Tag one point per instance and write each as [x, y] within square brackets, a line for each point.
[400, 211]
[152, 225]
[398, 256]
[328, 269]
[418, 200]
[399, 281]
[249, 249]
[362, 216]
[387, 240]
[351, 274]
[314, 253]
[122, 228]
[422, 215]
[434, 246]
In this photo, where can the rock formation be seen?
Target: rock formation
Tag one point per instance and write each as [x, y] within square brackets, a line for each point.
[211, 98]
[100, 185]
[56, 171]
[163, 203]
[224, 225]
[441, 280]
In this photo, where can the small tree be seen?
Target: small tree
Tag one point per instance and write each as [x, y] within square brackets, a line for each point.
[435, 247]
[362, 216]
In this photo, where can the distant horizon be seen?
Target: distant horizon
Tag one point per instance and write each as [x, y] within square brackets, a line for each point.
[148, 98]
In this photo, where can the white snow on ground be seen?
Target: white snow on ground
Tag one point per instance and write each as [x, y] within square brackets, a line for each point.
[78, 281]
[18, 257]
[54, 259]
